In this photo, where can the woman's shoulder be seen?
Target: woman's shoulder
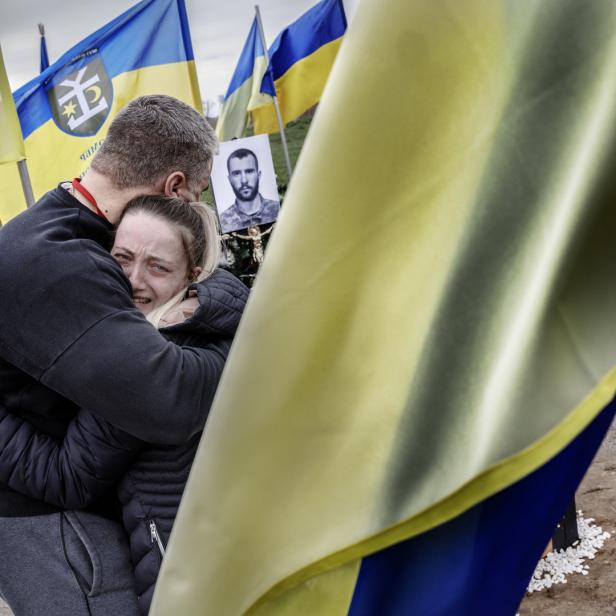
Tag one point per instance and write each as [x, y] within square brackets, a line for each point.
[221, 301]
[221, 289]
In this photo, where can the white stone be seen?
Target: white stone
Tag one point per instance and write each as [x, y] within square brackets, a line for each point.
[557, 565]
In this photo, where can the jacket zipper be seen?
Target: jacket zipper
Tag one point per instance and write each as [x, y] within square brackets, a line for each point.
[155, 538]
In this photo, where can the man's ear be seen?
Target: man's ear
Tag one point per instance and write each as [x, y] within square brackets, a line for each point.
[174, 184]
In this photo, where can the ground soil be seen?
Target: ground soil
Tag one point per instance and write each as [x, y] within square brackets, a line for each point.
[593, 594]
[583, 595]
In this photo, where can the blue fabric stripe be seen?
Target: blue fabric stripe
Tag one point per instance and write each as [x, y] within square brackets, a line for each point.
[187, 47]
[322, 24]
[480, 563]
[253, 48]
[151, 33]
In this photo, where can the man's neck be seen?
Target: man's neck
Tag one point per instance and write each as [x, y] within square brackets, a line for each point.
[110, 200]
[250, 207]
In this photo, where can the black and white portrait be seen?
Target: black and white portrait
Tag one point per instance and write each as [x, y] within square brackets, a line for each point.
[244, 184]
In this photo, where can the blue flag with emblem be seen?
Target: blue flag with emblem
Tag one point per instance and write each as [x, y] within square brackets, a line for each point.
[65, 112]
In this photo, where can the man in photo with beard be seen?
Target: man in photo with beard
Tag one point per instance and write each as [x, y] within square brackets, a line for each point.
[250, 207]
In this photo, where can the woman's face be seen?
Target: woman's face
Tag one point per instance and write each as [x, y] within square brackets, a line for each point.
[152, 255]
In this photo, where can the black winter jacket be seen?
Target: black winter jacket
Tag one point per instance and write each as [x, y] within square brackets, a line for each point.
[70, 337]
[94, 455]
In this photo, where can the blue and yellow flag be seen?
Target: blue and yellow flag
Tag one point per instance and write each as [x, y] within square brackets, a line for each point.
[301, 58]
[243, 93]
[66, 110]
[428, 360]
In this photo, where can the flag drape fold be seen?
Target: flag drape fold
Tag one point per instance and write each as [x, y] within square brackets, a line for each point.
[433, 323]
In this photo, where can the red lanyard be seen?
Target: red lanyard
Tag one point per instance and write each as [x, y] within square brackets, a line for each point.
[86, 193]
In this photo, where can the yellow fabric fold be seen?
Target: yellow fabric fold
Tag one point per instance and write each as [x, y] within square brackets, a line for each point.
[433, 320]
[11, 143]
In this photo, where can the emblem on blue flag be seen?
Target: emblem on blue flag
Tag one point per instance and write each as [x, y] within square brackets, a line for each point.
[80, 101]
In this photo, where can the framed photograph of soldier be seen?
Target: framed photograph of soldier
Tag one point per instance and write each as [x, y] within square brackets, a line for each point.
[244, 184]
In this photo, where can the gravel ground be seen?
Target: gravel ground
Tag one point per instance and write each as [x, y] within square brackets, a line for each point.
[593, 594]
[583, 595]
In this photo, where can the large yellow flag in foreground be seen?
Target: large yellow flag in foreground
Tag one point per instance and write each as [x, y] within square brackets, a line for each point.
[432, 330]
[11, 143]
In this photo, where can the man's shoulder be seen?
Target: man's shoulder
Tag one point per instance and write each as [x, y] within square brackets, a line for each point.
[26, 239]
[49, 199]
[54, 243]
[62, 279]
[51, 218]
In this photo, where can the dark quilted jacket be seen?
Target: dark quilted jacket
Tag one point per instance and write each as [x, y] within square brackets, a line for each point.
[95, 455]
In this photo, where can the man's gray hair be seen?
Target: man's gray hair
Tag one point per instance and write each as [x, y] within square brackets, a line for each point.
[152, 137]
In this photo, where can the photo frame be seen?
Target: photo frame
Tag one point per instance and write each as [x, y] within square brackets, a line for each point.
[244, 184]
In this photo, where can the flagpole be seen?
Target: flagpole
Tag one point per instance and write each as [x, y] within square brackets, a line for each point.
[26, 185]
[283, 138]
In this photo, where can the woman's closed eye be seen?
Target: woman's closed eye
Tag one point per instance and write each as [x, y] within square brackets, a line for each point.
[159, 268]
[121, 257]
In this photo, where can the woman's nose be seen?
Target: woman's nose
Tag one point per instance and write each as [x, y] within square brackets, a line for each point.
[135, 276]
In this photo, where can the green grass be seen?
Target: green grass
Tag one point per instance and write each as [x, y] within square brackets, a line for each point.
[295, 133]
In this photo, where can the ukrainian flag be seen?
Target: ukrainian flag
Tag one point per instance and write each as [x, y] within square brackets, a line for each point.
[427, 363]
[301, 58]
[243, 93]
[66, 110]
